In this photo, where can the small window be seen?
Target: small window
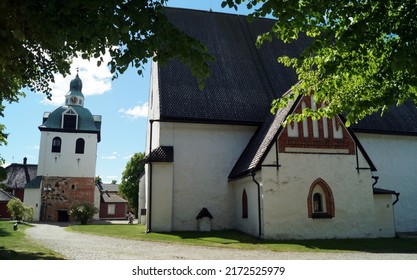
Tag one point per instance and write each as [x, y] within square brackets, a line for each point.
[56, 145]
[69, 119]
[111, 209]
[317, 203]
[320, 200]
[79, 146]
[244, 205]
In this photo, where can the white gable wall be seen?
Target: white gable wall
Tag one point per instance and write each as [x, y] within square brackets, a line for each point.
[395, 158]
[204, 154]
[285, 195]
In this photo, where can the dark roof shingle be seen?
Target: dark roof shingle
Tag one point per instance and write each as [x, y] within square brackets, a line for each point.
[160, 154]
[244, 80]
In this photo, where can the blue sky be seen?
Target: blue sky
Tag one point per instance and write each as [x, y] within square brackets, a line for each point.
[122, 103]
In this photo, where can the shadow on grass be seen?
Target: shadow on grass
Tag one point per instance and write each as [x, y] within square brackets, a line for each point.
[4, 232]
[6, 254]
[372, 245]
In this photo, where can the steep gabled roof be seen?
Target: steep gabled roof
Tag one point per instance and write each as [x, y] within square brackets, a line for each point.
[263, 139]
[260, 143]
[244, 80]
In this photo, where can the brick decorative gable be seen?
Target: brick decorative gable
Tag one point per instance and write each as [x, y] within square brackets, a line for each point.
[323, 136]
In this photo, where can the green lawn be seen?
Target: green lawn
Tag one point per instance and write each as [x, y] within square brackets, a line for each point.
[15, 246]
[237, 240]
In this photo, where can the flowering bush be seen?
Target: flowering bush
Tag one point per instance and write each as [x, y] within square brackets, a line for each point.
[19, 211]
[83, 211]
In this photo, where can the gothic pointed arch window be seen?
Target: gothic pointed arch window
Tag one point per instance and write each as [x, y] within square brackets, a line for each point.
[244, 204]
[79, 146]
[320, 200]
[56, 145]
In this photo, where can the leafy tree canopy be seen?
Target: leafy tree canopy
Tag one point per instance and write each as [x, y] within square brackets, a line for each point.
[363, 56]
[39, 39]
[129, 187]
[362, 59]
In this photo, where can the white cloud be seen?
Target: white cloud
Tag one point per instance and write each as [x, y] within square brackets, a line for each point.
[140, 111]
[128, 157]
[32, 147]
[113, 156]
[96, 80]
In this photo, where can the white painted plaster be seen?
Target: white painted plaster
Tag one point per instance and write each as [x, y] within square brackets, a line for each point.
[249, 225]
[67, 163]
[204, 155]
[395, 158]
[32, 198]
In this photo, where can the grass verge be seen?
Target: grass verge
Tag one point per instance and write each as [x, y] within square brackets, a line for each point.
[14, 245]
[238, 240]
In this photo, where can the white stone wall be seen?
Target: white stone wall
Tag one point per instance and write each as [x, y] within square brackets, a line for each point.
[285, 192]
[32, 198]
[249, 225]
[67, 163]
[204, 155]
[384, 214]
[395, 158]
[142, 200]
[162, 188]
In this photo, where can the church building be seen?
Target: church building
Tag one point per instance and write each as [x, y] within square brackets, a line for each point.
[218, 159]
[67, 159]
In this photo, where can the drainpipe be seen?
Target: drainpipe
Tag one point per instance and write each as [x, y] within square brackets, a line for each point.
[259, 204]
[149, 213]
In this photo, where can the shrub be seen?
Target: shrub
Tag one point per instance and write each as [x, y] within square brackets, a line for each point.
[19, 211]
[83, 211]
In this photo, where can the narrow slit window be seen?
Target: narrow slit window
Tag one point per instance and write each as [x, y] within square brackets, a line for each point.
[317, 203]
[244, 205]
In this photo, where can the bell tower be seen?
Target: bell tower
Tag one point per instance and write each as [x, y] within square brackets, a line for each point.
[67, 155]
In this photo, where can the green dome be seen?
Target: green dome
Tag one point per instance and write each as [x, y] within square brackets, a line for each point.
[86, 121]
[76, 84]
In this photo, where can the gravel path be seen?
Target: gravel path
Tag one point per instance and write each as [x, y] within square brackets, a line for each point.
[77, 246]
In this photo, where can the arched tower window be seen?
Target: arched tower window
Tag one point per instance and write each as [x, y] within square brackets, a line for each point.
[244, 204]
[79, 146]
[320, 200]
[56, 145]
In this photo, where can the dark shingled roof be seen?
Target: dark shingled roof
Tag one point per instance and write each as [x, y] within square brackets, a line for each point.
[204, 213]
[255, 151]
[397, 120]
[244, 80]
[161, 154]
[35, 183]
